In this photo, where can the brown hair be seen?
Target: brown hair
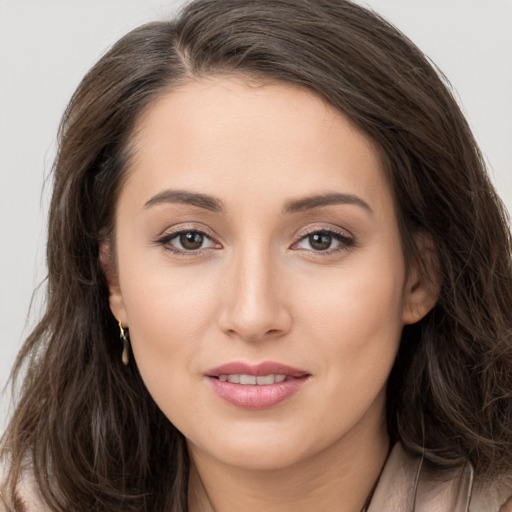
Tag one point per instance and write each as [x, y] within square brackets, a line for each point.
[94, 438]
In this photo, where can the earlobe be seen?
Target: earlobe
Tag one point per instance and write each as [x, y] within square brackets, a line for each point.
[423, 282]
[115, 296]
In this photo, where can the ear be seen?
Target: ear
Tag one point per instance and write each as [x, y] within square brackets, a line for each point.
[423, 282]
[115, 297]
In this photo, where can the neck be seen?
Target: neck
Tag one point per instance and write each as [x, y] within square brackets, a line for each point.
[340, 479]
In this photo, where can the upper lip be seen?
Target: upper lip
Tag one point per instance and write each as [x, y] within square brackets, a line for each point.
[258, 370]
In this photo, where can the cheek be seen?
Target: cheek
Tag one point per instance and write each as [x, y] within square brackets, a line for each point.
[355, 321]
[170, 312]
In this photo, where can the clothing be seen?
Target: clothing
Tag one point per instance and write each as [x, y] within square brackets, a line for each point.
[407, 484]
[410, 484]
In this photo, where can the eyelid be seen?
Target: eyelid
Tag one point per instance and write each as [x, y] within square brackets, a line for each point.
[310, 230]
[346, 238]
[171, 233]
[185, 226]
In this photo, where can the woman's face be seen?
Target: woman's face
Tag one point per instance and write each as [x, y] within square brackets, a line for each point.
[257, 230]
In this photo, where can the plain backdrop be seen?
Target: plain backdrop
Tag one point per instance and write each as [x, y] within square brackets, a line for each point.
[46, 46]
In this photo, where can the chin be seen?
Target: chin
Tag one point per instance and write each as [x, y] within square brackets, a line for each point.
[260, 451]
[258, 458]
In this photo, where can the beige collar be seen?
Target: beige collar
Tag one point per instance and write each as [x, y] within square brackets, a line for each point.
[409, 484]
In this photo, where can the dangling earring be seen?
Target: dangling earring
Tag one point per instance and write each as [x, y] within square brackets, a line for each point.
[126, 354]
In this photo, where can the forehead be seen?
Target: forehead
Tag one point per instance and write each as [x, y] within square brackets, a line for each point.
[226, 135]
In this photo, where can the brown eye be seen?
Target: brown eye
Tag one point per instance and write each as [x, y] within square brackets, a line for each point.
[320, 241]
[191, 240]
[187, 242]
[324, 241]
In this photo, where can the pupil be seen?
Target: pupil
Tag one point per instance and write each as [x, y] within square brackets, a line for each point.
[320, 241]
[191, 240]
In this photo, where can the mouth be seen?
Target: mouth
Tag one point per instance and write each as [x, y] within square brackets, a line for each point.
[256, 386]
[253, 380]
[246, 372]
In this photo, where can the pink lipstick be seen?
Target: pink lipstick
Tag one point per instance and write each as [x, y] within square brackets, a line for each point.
[258, 386]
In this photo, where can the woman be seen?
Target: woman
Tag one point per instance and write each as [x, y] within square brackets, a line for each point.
[279, 278]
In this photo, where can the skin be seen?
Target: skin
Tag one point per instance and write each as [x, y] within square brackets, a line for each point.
[260, 290]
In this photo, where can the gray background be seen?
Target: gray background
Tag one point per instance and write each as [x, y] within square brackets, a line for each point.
[46, 47]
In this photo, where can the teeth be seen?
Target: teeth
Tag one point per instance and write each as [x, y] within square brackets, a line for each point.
[247, 379]
[251, 380]
[265, 379]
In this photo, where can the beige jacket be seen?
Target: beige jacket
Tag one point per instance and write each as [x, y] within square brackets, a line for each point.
[407, 484]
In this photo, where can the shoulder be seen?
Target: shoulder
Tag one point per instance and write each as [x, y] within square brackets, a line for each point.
[410, 482]
[28, 498]
[495, 495]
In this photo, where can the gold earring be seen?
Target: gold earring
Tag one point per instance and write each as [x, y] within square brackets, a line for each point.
[126, 354]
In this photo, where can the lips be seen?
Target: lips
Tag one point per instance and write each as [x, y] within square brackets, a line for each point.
[259, 370]
[256, 386]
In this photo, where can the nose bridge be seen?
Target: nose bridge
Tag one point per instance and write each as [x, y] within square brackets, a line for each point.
[254, 306]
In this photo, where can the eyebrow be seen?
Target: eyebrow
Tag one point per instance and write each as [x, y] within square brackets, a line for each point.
[193, 198]
[214, 204]
[320, 200]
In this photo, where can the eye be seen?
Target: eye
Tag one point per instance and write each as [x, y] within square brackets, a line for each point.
[187, 241]
[324, 241]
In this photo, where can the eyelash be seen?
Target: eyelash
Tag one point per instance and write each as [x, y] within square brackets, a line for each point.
[346, 242]
[167, 238]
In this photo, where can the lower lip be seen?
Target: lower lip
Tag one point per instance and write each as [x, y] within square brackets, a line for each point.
[255, 396]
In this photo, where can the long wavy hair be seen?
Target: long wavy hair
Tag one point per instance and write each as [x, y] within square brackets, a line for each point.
[86, 426]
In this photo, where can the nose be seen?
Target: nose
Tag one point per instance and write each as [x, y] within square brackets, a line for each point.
[254, 305]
